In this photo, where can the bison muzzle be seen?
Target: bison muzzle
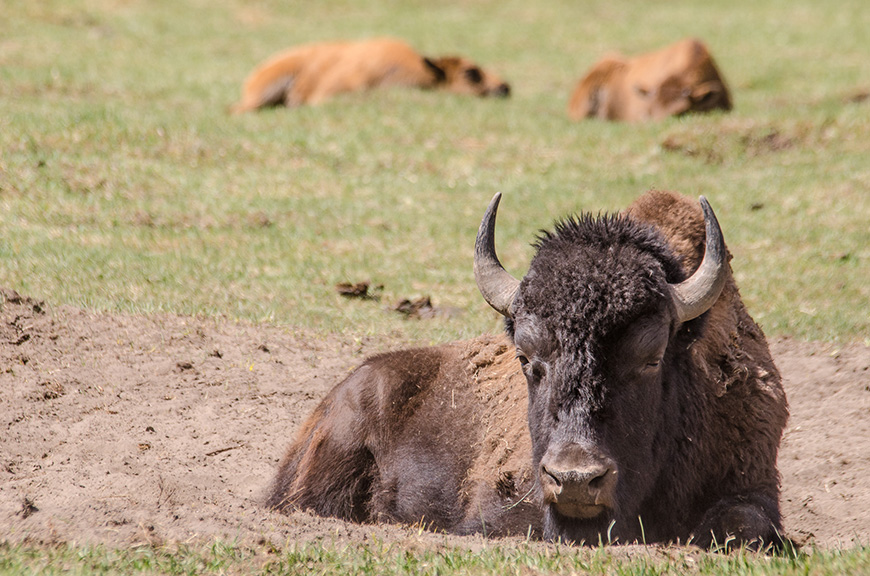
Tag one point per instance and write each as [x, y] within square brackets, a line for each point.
[632, 398]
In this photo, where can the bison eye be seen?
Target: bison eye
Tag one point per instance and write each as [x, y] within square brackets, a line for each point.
[534, 370]
[474, 75]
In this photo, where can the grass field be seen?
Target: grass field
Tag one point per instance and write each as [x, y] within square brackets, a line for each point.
[389, 559]
[125, 186]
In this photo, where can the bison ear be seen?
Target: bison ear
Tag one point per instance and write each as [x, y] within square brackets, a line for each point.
[706, 91]
[437, 71]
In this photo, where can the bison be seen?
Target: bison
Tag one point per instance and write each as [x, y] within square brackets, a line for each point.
[631, 398]
[675, 80]
[312, 73]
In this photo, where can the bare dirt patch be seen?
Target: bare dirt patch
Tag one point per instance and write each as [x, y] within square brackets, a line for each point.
[738, 138]
[123, 430]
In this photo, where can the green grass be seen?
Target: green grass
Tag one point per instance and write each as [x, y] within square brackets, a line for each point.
[124, 186]
[394, 559]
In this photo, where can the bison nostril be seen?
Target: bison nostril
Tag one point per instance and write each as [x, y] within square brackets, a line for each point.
[547, 475]
[598, 482]
[551, 484]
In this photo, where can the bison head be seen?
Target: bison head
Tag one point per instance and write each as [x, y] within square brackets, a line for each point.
[463, 76]
[602, 323]
[677, 96]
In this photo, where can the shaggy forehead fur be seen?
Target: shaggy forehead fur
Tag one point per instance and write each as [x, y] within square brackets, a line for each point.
[593, 276]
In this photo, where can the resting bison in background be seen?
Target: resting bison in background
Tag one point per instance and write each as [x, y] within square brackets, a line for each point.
[678, 79]
[631, 399]
[313, 73]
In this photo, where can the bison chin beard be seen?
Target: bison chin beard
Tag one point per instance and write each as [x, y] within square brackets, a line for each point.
[590, 531]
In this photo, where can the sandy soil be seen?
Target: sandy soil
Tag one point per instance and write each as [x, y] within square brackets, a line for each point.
[124, 430]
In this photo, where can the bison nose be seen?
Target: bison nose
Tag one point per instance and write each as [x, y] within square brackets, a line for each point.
[579, 487]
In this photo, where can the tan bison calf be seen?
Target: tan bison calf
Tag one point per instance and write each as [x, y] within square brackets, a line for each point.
[675, 80]
[313, 73]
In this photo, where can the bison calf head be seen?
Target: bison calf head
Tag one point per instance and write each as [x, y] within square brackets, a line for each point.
[462, 76]
[602, 323]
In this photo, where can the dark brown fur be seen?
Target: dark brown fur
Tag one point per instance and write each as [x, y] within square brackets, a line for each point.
[441, 434]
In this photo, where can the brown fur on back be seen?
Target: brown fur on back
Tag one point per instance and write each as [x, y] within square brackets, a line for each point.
[677, 79]
[312, 73]
[459, 400]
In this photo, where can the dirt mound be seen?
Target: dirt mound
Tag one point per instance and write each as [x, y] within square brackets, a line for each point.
[125, 429]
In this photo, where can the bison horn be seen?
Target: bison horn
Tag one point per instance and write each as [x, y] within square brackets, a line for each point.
[697, 294]
[496, 285]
